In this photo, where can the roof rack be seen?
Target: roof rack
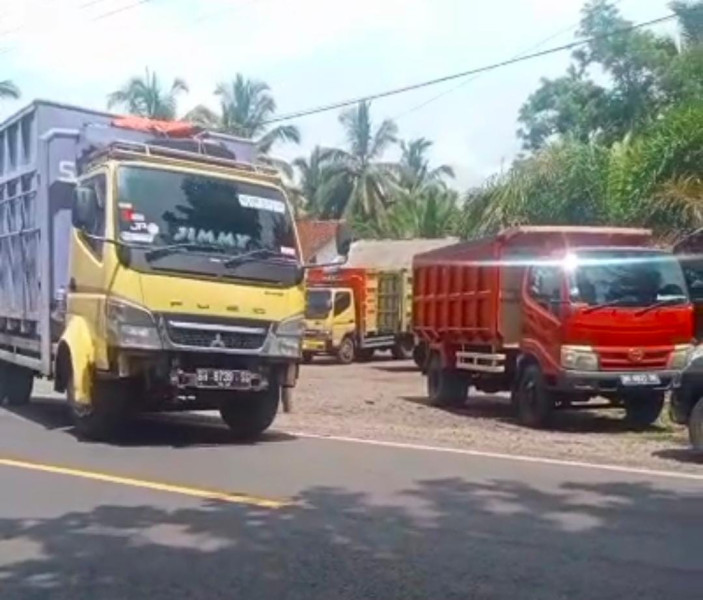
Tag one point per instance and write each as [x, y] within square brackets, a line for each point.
[128, 149]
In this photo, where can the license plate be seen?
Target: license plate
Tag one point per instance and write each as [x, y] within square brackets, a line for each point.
[640, 379]
[313, 345]
[221, 378]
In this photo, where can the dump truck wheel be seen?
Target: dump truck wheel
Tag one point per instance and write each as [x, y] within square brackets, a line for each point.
[307, 358]
[347, 351]
[249, 414]
[420, 355]
[532, 400]
[445, 387]
[106, 414]
[403, 349]
[641, 411]
[695, 427]
[17, 384]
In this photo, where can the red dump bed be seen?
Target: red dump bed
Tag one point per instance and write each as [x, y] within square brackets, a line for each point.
[470, 292]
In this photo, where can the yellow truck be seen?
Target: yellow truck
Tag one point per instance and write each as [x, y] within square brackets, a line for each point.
[353, 312]
[145, 266]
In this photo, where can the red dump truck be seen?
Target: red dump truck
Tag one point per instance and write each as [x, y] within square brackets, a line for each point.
[556, 316]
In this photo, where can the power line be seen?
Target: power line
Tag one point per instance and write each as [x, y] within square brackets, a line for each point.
[475, 71]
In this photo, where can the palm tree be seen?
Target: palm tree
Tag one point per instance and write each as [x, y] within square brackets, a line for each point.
[245, 107]
[144, 97]
[9, 89]
[369, 179]
[415, 171]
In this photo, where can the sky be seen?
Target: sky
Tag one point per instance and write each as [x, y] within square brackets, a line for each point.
[311, 52]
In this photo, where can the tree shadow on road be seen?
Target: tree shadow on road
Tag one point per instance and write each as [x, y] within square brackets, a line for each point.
[444, 538]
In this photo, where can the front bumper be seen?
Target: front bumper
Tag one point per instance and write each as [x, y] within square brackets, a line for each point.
[605, 382]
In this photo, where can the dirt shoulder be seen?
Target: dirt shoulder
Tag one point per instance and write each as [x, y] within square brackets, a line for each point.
[387, 401]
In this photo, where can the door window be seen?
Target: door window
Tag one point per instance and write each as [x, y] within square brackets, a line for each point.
[97, 228]
[545, 287]
[342, 301]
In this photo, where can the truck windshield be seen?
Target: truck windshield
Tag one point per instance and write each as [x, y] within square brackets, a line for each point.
[160, 208]
[319, 304]
[627, 278]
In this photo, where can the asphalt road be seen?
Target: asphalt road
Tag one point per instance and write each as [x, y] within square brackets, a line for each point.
[175, 510]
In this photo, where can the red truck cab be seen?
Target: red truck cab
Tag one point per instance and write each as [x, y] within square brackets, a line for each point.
[556, 316]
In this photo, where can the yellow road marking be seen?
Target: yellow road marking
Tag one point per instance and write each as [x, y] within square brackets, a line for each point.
[149, 485]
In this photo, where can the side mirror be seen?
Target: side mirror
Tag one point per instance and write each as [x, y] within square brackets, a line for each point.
[85, 208]
[344, 239]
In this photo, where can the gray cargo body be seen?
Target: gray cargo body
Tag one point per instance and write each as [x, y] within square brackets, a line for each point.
[39, 149]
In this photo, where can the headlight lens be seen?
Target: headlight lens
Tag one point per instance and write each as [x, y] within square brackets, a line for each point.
[292, 327]
[130, 326]
[579, 358]
[684, 354]
[287, 338]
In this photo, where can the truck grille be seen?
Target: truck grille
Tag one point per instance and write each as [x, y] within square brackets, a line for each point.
[622, 359]
[239, 334]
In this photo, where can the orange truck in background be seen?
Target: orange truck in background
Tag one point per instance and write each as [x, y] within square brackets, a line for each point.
[353, 312]
[556, 316]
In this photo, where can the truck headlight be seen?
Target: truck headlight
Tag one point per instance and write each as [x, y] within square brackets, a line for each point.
[130, 326]
[684, 354]
[287, 337]
[579, 358]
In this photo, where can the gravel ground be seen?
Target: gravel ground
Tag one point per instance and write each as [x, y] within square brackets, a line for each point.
[386, 400]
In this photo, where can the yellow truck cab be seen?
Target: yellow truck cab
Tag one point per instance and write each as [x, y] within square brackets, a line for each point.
[163, 270]
[351, 313]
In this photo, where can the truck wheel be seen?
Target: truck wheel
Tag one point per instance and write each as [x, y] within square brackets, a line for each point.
[641, 411]
[346, 352]
[364, 354]
[307, 358]
[445, 387]
[249, 414]
[533, 401]
[403, 349]
[420, 355]
[695, 427]
[17, 385]
[104, 416]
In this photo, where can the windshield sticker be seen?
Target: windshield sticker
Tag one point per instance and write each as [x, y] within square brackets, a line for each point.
[127, 205]
[143, 237]
[138, 217]
[153, 229]
[288, 251]
[207, 236]
[139, 226]
[259, 203]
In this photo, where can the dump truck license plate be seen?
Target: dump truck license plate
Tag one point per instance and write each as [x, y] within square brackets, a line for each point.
[221, 378]
[640, 379]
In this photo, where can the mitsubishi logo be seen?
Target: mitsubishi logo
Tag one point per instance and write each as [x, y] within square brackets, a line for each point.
[635, 355]
[218, 342]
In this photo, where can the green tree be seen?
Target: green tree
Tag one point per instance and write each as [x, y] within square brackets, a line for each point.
[361, 168]
[415, 170]
[320, 190]
[9, 89]
[145, 97]
[246, 105]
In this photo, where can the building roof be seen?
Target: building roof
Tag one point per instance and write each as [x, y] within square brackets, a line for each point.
[314, 235]
[392, 254]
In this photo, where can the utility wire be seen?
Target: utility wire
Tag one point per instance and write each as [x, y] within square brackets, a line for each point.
[461, 74]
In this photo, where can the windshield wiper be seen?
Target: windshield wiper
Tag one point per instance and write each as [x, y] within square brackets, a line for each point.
[617, 302]
[253, 255]
[667, 302]
[155, 253]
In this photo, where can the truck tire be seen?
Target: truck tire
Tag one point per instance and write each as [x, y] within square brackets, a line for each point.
[695, 427]
[532, 400]
[17, 385]
[420, 355]
[249, 414]
[106, 414]
[364, 354]
[445, 387]
[347, 351]
[643, 410]
[403, 348]
[307, 358]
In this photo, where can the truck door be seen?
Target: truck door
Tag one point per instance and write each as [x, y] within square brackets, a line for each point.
[343, 316]
[86, 293]
[542, 304]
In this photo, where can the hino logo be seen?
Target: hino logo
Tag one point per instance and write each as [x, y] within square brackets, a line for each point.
[218, 342]
[636, 354]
